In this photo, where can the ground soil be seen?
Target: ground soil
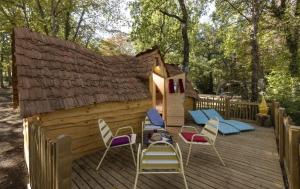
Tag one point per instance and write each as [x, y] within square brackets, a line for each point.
[13, 171]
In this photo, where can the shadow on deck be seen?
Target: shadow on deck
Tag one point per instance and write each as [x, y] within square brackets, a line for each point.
[251, 162]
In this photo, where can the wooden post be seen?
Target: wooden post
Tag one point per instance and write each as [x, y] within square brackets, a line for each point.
[227, 108]
[63, 165]
[276, 112]
[281, 125]
[294, 159]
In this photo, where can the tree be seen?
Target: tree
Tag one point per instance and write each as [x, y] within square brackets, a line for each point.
[73, 20]
[184, 21]
[160, 22]
[251, 12]
[288, 15]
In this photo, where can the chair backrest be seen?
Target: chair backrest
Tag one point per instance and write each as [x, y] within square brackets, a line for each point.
[210, 130]
[160, 157]
[105, 132]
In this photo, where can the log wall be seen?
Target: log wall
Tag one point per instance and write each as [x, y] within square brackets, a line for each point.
[81, 123]
[189, 104]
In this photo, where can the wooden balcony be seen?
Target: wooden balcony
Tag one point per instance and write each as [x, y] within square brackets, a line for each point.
[251, 159]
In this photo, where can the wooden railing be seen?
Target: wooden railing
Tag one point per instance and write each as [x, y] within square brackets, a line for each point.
[287, 135]
[288, 140]
[49, 161]
[230, 108]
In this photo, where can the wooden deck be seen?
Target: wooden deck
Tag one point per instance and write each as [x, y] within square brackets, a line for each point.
[251, 162]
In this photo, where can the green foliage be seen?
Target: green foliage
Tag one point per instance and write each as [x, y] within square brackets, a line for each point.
[285, 89]
[150, 27]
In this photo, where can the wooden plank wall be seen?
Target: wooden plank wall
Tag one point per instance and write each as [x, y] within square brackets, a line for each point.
[49, 160]
[288, 138]
[81, 123]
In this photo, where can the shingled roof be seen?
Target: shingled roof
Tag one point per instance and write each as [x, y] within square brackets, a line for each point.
[54, 74]
[173, 70]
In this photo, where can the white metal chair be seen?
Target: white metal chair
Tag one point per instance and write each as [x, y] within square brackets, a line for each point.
[206, 137]
[111, 141]
[159, 158]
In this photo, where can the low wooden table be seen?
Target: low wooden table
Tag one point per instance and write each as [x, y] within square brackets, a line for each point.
[164, 134]
[263, 120]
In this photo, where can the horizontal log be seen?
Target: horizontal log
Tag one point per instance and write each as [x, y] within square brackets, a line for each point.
[94, 109]
[104, 115]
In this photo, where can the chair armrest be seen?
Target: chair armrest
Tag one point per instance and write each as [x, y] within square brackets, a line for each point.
[190, 127]
[122, 128]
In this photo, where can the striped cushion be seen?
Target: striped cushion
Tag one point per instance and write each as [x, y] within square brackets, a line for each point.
[189, 135]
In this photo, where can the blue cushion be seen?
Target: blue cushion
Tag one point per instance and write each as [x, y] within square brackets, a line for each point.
[239, 125]
[226, 129]
[212, 114]
[198, 116]
[154, 117]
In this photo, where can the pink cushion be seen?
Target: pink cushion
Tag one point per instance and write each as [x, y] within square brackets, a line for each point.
[188, 136]
[120, 140]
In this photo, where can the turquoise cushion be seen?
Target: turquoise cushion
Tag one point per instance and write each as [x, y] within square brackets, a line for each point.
[198, 116]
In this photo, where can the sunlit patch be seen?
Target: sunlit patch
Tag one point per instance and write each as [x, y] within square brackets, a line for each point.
[8, 163]
[5, 146]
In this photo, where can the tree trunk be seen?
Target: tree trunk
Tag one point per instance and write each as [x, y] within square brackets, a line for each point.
[1, 61]
[292, 40]
[9, 77]
[67, 25]
[210, 83]
[1, 76]
[184, 31]
[292, 43]
[256, 69]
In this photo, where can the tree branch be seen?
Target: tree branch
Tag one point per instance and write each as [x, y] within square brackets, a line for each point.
[236, 9]
[171, 15]
[7, 15]
[79, 24]
[42, 14]
[23, 7]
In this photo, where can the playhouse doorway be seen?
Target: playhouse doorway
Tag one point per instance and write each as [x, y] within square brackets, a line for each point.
[158, 94]
[159, 101]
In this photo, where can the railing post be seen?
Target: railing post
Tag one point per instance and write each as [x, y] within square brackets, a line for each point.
[281, 125]
[227, 108]
[294, 161]
[276, 112]
[63, 157]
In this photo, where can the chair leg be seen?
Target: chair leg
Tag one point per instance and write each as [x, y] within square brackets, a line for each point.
[136, 180]
[189, 154]
[102, 158]
[133, 155]
[218, 155]
[184, 179]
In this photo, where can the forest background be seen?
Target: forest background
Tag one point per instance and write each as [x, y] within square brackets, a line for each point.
[226, 47]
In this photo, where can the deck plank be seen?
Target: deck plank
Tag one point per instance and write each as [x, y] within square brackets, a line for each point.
[251, 160]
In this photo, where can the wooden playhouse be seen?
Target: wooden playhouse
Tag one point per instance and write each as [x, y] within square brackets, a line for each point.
[62, 88]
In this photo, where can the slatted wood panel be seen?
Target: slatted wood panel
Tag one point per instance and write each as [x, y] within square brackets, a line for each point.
[251, 161]
[48, 160]
[230, 108]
